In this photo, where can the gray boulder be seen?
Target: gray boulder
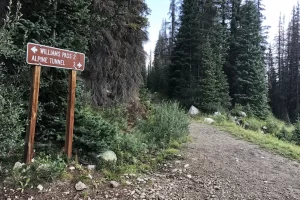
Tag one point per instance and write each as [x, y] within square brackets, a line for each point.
[209, 121]
[217, 113]
[194, 111]
[108, 156]
[242, 114]
[114, 184]
[80, 186]
[18, 165]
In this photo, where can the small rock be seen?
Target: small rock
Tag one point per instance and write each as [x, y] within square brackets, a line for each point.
[72, 168]
[132, 175]
[189, 176]
[67, 193]
[186, 166]
[209, 121]
[114, 184]
[80, 186]
[128, 183]
[90, 176]
[40, 187]
[174, 170]
[217, 187]
[217, 113]
[18, 165]
[91, 167]
[31, 198]
[140, 180]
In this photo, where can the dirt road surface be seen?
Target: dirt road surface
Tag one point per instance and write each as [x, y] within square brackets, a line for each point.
[218, 166]
[213, 166]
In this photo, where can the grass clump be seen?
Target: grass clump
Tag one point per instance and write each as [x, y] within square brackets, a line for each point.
[44, 169]
[167, 121]
[278, 137]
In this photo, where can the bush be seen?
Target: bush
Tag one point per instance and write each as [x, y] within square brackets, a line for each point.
[296, 133]
[284, 134]
[117, 116]
[129, 147]
[92, 134]
[236, 110]
[44, 169]
[272, 126]
[11, 125]
[254, 124]
[166, 122]
[220, 119]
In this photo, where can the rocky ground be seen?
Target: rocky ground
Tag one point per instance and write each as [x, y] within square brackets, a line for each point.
[213, 166]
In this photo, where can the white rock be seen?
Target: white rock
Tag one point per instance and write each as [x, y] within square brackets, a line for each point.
[217, 113]
[40, 187]
[31, 198]
[91, 167]
[186, 165]
[108, 156]
[174, 170]
[72, 168]
[128, 183]
[193, 111]
[242, 114]
[114, 184]
[189, 176]
[80, 186]
[90, 176]
[209, 121]
[18, 165]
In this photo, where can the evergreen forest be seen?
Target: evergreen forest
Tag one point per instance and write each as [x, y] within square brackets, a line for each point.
[132, 105]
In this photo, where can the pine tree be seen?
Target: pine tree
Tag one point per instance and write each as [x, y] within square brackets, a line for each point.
[118, 32]
[250, 83]
[197, 76]
[159, 74]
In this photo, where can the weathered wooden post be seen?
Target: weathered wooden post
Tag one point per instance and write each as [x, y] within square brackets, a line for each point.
[40, 55]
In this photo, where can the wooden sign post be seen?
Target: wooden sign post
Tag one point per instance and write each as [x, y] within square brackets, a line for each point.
[33, 107]
[70, 113]
[40, 55]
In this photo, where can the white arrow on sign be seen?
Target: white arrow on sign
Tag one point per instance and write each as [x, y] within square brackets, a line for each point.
[34, 49]
[79, 65]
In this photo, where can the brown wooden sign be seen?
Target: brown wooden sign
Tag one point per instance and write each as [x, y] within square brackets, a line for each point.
[41, 55]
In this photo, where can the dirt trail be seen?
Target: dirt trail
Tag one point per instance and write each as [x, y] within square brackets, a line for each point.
[213, 166]
[240, 169]
[222, 167]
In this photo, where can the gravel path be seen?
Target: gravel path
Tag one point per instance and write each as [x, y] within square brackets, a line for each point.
[213, 166]
[218, 166]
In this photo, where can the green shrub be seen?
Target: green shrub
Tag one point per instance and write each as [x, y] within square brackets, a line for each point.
[116, 115]
[236, 110]
[11, 125]
[284, 134]
[129, 147]
[296, 133]
[47, 168]
[92, 134]
[254, 124]
[44, 169]
[220, 119]
[272, 126]
[166, 122]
